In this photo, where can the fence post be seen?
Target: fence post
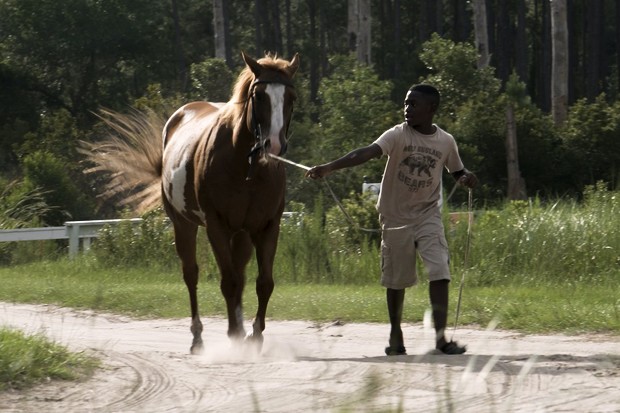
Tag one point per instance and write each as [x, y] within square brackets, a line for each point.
[73, 231]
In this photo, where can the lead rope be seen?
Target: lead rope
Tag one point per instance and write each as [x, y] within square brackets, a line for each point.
[342, 208]
[470, 219]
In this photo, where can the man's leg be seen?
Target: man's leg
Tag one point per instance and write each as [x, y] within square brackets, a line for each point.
[439, 292]
[395, 300]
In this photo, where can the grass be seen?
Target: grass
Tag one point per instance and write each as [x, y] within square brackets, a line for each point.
[533, 268]
[523, 305]
[25, 360]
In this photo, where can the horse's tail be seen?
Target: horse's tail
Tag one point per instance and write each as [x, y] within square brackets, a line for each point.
[131, 157]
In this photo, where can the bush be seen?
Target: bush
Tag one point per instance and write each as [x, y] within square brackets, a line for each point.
[127, 244]
[563, 242]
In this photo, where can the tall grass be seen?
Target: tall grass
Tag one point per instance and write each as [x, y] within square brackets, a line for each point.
[530, 242]
[28, 359]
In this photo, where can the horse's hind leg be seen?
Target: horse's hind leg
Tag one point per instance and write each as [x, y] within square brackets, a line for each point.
[185, 242]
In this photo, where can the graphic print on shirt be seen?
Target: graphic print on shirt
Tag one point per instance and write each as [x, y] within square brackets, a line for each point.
[416, 170]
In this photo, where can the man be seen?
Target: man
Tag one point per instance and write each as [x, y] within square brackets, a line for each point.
[409, 209]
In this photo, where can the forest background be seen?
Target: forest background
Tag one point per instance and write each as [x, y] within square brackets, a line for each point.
[62, 61]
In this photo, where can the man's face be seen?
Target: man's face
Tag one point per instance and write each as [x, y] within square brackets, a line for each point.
[418, 109]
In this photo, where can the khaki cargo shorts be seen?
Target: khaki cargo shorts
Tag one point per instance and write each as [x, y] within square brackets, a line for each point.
[400, 247]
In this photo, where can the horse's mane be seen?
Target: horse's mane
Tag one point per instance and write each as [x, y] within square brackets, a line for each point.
[233, 110]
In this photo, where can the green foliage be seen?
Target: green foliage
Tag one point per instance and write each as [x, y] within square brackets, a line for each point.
[22, 207]
[28, 359]
[454, 72]
[46, 171]
[212, 80]
[592, 143]
[310, 250]
[348, 232]
[154, 100]
[302, 247]
[355, 110]
[84, 54]
[57, 134]
[127, 244]
[563, 242]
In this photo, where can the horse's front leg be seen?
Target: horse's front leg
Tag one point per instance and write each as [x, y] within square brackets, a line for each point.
[266, 244]
[232, 252]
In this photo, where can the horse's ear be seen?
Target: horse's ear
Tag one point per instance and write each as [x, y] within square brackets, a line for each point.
[293, 65]
[252, 64]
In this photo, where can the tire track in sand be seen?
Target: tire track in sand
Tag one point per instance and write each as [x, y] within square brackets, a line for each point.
[337, 367]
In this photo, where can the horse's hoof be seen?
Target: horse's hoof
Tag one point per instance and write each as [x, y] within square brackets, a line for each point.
[196, 349]
[255, 342]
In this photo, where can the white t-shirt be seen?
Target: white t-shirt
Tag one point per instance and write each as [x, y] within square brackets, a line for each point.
[411, 184]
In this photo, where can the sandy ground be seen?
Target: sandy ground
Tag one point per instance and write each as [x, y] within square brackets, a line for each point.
[311, 367]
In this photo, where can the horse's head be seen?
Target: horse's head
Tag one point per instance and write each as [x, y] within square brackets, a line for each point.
[271, 95]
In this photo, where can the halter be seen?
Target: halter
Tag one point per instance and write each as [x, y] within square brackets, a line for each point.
[259, 142]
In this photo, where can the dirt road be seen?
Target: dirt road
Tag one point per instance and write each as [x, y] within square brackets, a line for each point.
[311, 367]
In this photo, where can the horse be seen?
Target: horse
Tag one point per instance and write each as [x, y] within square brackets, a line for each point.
[211, 167]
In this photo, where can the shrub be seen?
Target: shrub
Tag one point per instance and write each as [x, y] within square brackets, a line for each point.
[127, 244]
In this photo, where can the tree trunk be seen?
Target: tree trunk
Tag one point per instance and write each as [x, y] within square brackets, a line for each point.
[358, 28]
[313, 52]
[258, 33]
[592, 61]
[397, 36]
[559, 66]
[521, 49]
[516, 184]
[617, 26]
[428, 21]
[288, 27]
[221, 31]
[461, 21]
[480, 30]
[182, 67]
[276, 27]
[504, 45]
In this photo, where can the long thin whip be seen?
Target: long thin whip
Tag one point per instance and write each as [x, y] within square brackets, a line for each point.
[470, 218]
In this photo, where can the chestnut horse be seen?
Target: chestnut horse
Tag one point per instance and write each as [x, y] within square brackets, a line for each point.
[213, 169]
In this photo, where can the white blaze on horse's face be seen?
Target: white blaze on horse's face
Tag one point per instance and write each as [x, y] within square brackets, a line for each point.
[275, 91]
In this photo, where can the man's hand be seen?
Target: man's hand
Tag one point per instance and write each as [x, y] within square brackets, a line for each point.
[468, 179]
[319, 171]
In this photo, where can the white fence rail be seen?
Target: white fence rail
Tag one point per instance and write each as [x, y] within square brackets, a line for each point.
[75, 231]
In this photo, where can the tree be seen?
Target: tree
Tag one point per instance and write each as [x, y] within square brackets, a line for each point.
[515, 93]
[180, 57]
[593, 63]
[480, 29]
[454, 70]
[504, 44]
[356, 109]
[358, 28]
[221, 30]
[44, 171]
[212, 80]
[559, 78]
[521, 43]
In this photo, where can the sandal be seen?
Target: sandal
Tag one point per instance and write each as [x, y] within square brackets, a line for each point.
[396, 351]
[451, 348]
